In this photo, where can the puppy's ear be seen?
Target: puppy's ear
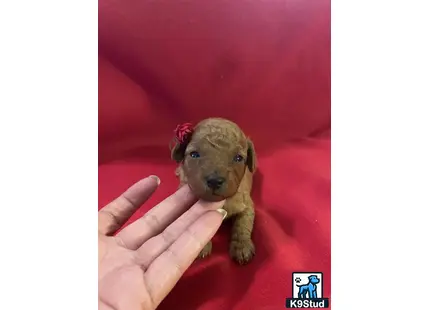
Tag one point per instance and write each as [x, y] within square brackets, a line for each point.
[251, 159]
[178, 152]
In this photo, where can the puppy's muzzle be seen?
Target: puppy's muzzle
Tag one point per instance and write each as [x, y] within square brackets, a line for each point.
[215, 182]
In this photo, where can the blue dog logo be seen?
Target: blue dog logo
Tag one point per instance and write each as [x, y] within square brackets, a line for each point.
[309, 290]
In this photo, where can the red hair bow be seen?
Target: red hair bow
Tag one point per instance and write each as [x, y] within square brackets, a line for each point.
[183, 132]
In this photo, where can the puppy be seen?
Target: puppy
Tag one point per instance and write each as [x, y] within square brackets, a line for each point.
[217, 161]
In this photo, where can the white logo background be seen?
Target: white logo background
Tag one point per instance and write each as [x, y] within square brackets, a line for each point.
[304, 280]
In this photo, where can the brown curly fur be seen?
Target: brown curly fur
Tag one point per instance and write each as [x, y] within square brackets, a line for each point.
[219, 141]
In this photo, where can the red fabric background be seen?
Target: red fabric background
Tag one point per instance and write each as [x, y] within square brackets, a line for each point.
[263, 64]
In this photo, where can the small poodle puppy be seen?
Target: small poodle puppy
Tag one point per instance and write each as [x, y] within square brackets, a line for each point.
[217, 160]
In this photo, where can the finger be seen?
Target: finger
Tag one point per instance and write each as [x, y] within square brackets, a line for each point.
[157, 219]
[116, 213]
[156, 245]
[166, 270]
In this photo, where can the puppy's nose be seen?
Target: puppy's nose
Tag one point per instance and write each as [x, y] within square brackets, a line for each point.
[215, 182]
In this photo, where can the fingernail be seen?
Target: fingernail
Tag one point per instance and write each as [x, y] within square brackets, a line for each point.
[223, 212]
[156, 179]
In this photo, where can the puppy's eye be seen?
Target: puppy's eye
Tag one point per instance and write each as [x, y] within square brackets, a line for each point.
[194, 154]
[238, 158]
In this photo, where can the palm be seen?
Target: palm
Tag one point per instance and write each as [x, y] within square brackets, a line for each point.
[118, 270]
[141, 264]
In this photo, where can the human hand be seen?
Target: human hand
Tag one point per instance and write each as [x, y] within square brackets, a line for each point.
[141, 264]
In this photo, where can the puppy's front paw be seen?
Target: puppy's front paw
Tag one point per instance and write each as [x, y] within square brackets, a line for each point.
[206, 251]
[242, 251]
